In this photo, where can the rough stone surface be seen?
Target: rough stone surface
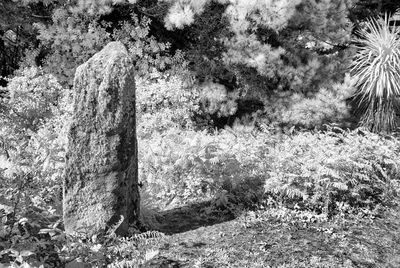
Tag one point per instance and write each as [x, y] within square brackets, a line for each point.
[101, 179]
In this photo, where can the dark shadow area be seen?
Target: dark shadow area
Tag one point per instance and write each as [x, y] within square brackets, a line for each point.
[184, 219]
[187, 218]
[244, 194]
[163, 262]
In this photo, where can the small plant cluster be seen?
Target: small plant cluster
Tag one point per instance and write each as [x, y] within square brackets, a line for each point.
[282, 214]
[28, 238]
[38, 242]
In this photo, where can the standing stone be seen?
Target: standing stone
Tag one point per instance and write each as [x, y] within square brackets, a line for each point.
[101, 179]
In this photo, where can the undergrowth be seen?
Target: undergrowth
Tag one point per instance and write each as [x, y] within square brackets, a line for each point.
[325, 171]
[300, 176]
[319, 171]
[34, 243]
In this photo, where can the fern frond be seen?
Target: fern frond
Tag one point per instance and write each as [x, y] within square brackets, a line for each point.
[148, 235]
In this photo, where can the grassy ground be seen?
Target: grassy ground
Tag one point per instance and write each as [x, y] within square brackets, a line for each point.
[258, 239]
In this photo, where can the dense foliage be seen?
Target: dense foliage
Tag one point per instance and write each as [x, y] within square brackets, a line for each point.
[242, 105]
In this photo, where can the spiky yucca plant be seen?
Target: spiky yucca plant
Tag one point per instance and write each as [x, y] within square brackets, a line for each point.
[376, 67]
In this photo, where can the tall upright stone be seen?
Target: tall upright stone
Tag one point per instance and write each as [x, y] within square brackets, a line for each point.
[101, 179]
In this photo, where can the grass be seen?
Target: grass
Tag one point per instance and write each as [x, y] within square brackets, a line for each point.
[260, 239]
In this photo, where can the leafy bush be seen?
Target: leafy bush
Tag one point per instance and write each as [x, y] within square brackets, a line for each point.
[110, 250]
[181, 167]
[215, 99]
[164, 103]
[328, 105]
[34, 129]
[324, 172]
[177, 164]
[148, 54]
[33, 96]
[72, 39]
[33, 137]
[337, 169]
[30, 243]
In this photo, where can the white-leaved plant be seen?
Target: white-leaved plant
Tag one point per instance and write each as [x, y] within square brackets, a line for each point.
[376, 68]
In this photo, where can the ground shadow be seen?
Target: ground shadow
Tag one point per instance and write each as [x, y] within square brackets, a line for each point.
[181, 220]
[202, 214]
[187, 218]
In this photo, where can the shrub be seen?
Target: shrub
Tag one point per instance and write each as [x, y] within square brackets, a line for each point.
[375, 67]
[215, 99]
[33, 128]
[33, 97]
[28, 245]
[328, 105]
[183, 167]
[164, 103]
[71, 40]
[147, 52]
[33, 134]
[324, 171]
